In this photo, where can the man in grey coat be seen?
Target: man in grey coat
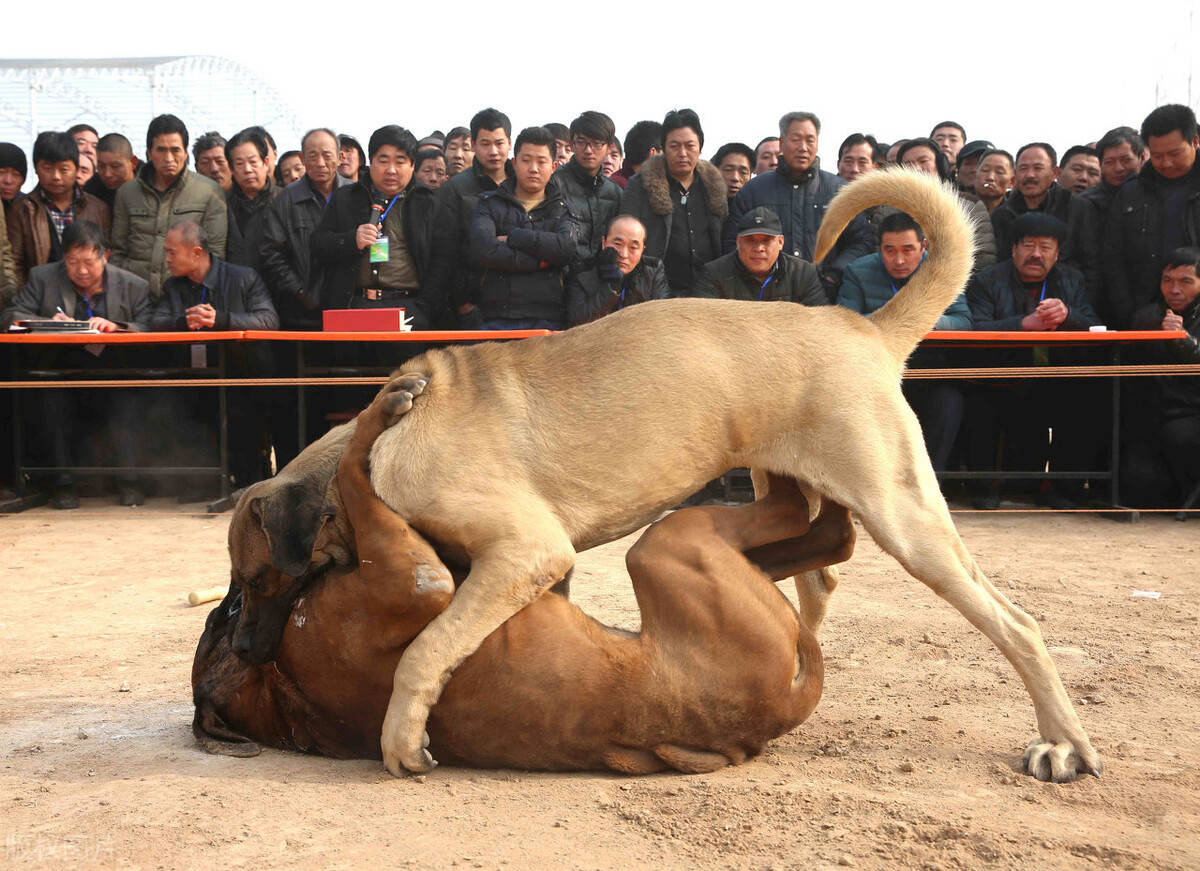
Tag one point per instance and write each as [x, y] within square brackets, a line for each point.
[83, 286]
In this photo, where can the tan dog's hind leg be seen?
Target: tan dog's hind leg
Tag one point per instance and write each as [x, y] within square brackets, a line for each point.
[913, 524]
[507, 576]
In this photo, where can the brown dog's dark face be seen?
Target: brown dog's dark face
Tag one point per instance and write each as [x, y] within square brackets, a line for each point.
[276, 551]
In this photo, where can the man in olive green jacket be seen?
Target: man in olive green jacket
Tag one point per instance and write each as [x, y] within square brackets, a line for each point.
[163, 193]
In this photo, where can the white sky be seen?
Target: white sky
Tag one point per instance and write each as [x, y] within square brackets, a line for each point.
[1012, 73]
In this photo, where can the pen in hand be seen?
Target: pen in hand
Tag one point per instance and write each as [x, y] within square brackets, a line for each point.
[60, 314]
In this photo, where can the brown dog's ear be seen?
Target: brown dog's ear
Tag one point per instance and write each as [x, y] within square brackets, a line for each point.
[291, 517]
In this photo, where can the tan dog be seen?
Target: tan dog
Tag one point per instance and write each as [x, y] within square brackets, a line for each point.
[722, 663]
[518, 454]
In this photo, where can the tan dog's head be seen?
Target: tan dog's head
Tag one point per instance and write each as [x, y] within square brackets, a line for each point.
[281, 537]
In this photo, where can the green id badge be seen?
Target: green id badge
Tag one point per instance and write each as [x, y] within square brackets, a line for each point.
[379, 250]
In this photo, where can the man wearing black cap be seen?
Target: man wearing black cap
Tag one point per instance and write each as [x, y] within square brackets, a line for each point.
[758, 269]
[966, 166]
[1032, 291]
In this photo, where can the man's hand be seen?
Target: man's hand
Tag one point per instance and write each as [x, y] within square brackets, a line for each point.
[1172, 321]
[203, 315]
[365, 235]
[1049, 314]
[59, 316]
[100, 325]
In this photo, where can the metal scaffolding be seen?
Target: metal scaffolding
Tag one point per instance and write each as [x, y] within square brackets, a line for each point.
[123, 94]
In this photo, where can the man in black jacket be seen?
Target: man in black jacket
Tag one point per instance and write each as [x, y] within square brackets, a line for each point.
[206, 293]
[1173, 437]
[376, 240]
[295, 282]
[1155, 212]
[251, 196]
[491, 135]
[1032, 291]
[622, 276]
[593, 199]
[522, 239]
[759, 269]
[1035, 189]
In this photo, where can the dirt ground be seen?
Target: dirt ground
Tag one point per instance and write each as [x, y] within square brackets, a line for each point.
[910, 761]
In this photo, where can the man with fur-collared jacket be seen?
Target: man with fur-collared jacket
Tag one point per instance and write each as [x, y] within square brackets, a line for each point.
[682, 202]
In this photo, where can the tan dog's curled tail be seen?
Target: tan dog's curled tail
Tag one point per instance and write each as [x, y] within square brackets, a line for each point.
[912, 312]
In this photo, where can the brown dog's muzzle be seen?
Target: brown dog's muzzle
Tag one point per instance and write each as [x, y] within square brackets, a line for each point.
[260, 625]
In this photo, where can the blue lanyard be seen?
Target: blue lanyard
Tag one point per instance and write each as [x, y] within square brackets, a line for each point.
[895, 290]
[763, 289]
[621, 304]
[1043, 296]
[383, 217]
[88, 305]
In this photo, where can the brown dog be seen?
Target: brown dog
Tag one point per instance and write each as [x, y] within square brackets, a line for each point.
[518, 454]
[722, 664]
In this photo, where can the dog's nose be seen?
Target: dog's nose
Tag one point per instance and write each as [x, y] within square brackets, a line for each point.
[241, 645]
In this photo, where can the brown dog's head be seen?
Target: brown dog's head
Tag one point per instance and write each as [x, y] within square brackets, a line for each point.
[280, 539]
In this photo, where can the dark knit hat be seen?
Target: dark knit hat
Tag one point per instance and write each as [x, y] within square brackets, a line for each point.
[14, 157]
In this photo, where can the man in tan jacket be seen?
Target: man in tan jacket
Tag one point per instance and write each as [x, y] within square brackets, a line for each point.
[163, 193]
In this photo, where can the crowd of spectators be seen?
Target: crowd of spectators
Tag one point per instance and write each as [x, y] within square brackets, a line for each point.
[562, 224]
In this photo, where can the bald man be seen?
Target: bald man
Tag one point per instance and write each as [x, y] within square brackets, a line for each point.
[622, 276]
[203, 294]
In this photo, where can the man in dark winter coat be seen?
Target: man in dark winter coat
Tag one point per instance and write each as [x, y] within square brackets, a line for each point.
[206, 293]
[681, 201]
[1032, 291]
[491, 137]
[250, 198]
[1120, 151]
[798, 191]
[759, 269]
[1174, 440]
[1035, 189]
[376, 240]
[522, 239]
[593, 199]
[622, 276]
[1153, 213]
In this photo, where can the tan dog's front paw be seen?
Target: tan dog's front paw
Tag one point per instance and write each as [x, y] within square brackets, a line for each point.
[1061, 761]
[400, 752]
[395, 399]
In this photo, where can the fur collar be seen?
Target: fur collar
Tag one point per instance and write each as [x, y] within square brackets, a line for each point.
[658, 193]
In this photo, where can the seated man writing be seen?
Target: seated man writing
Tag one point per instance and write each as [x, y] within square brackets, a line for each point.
[722, 665]
[84, 286]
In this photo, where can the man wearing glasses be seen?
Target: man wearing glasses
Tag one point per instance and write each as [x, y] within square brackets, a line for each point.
[592, 199]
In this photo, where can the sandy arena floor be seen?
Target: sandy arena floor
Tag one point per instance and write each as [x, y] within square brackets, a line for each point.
[910, 761]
